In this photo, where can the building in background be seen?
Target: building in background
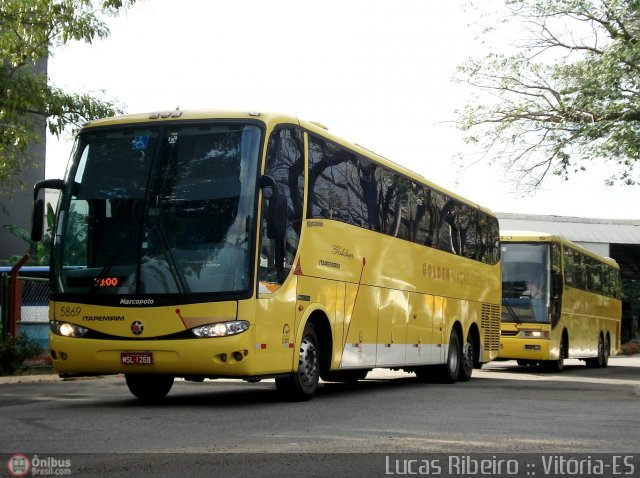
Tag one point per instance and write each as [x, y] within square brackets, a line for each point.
[618, 239]
[18, 206]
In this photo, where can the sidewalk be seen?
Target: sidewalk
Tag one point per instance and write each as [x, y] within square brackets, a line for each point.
[43, 377]
[50, 377]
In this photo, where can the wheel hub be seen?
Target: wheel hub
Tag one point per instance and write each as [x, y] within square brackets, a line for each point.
[308, 364]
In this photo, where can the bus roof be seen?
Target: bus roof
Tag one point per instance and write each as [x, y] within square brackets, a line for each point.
[271, 119]
[536, 236]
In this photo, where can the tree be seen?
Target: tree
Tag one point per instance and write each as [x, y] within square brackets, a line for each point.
[29, 30]
[568, 96]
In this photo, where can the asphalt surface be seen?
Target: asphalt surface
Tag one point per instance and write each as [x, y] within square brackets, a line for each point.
[231, 428]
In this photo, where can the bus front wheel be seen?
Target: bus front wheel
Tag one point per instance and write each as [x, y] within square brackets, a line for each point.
[149, 387]
[302, 384]
[557, 365]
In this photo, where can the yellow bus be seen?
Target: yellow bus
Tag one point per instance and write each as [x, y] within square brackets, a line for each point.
[559, 301]
[205, 244]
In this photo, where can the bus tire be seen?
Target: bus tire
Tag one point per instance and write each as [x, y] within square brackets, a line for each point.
[607, 352]
[556, 366]
[597, 361]
[149, 387]
[302, 384]
[450, 370]
[467, 360]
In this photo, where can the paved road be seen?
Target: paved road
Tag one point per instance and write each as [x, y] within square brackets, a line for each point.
[505, 408]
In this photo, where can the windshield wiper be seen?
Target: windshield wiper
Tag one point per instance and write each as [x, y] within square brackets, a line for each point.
[176, 272]
[512, 313]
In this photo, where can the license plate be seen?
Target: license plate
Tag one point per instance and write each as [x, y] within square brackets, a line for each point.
[136, 358]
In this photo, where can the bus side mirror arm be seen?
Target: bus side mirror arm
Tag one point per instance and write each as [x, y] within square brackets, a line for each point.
[276, 211]
[37, 217]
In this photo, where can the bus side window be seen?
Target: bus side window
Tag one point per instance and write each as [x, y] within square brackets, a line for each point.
[393, 206]
[468, 221]
[569, 267]
[557, 283]
[285, 163]
[330, 168]
[448, 228]
[362, 192]
[418, 215]
[488, 244]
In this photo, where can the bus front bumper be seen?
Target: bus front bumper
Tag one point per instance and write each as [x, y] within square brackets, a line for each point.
[513, 348]
[209, 357]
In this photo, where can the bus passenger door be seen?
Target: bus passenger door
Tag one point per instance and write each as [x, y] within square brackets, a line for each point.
[277, 285]
[274, 328]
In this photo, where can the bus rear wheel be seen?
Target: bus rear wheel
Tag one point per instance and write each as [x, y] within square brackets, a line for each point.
[466, 364]
[602, 359]
[450, 370]
[302, 384]
[149, 387]
[607, 352]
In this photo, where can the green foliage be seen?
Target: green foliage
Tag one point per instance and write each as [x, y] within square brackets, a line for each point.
[15, 351]
[39, 251]
[29, 30]
[570, 95]
[631, 294]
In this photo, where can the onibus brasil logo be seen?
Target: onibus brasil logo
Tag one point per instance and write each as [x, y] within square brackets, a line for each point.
[21, 465]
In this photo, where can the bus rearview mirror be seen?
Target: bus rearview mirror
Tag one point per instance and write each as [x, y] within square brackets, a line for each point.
[276, 209]
[277, 217]
[37, 220]
[37, 216]
[556, 284]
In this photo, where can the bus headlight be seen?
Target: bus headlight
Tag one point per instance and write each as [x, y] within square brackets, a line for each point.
[221, 329]
[67, 330]
[535, 334]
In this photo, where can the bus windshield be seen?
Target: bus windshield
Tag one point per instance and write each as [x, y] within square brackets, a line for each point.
[525, 284]
[159, 210]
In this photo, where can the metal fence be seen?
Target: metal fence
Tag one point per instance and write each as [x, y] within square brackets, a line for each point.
[32, 297]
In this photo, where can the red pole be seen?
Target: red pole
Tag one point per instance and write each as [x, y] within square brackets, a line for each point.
[15, 296]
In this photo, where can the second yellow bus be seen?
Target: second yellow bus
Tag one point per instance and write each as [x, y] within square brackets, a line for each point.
[559, 301]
